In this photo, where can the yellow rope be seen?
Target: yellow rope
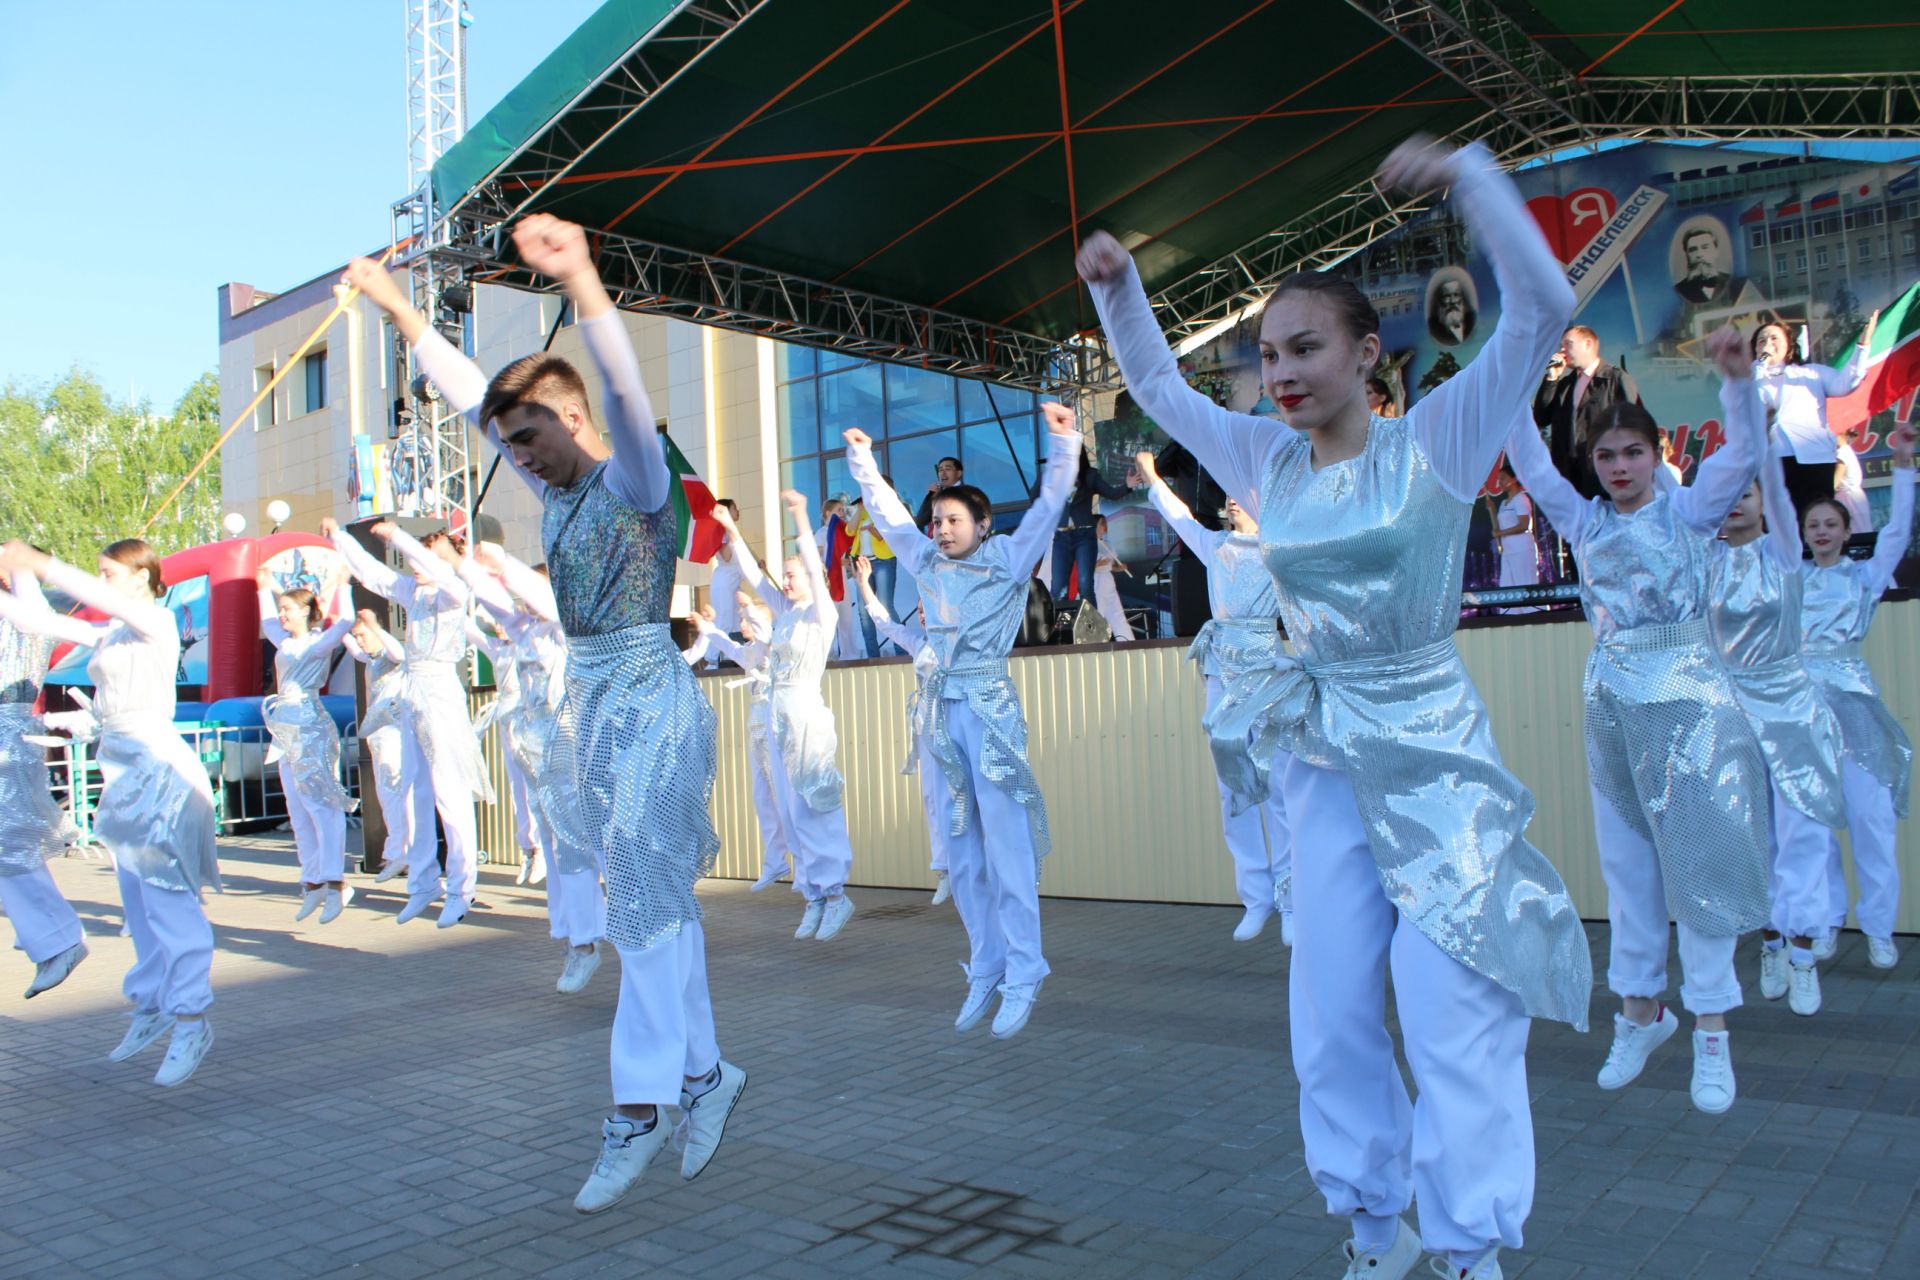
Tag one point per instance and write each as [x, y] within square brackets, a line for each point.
[340, 306]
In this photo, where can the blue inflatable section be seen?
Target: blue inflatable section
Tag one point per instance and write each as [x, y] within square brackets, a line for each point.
[244, 713]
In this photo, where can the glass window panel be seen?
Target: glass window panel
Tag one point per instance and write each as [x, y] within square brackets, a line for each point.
[831, 359]
[796, 360]
[914, 460]
[917, 399]
[840, 480]
[803, 474]
[973, 400]
[989, 461]
[799, 418]
[850, 399]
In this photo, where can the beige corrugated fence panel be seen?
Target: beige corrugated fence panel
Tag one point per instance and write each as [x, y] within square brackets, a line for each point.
[1117, 747]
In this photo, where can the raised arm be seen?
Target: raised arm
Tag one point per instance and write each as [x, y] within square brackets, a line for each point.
[487, 590]
[902, 636]
[1200, 540]
[1550, 491]
[427, 567]
[1462, 422]
[1844, 380]
[269, 611]
[149, 619]
[821, 606]
[1719, 481]
[1233, 447]
[532, 588]
[752, 576]
[371, 572]
[28, 610]
[729, 647]
[1035, 534]
[1891, 544]
[904, 533]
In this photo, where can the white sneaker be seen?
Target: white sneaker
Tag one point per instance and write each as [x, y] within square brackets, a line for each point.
[389, 869]
[942, 891]
[703, 1120]
[1826, 944]
[810, 919]
[1632, 1043]
[1804, 998]
[1286, 927]
[1392, 1263]
[53, 971]
[415, 908]
[309, 903]
[189, 1045]
[580, 967]
[1488, 1268]
[834, 917]
[526, 865]
[336, 902]
[454, 912]
[1016, 1005]
[1713, 1089]
[147, 1027]
[539, 873]
[979, 996]
[1773, 971]
[1251, 923]
[624, 1155]
[768, 878]
[1881, 953]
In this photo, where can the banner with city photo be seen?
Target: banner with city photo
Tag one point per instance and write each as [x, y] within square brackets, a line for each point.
[1662, 244]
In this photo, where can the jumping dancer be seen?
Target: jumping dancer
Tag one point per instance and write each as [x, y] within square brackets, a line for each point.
[973, 597]
[387, 731]
[32, 828]
[304, 736]
[505, 707]
[807, 785]
[1241, 656]
[1419, 862]
[1679, 783]
[636, 734]
[1841, 595]
[935, 799]
[448, 770]
[155, 813]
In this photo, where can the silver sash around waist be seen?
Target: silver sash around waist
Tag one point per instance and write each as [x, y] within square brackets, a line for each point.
[32, 827]
[989, 692]
[156, 808]
[1235, 643]
[1445, 820]
[307, 746]
[1249, 659]
[804, 737]
[436, 706]
[1670, 749]
[635, 741]
[1870, 736]
[1798, 734]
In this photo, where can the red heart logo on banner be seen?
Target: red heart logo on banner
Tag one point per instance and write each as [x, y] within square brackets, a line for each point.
[1570, 221]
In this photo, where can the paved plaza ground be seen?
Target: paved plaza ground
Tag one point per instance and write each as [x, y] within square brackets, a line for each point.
[404, 1102]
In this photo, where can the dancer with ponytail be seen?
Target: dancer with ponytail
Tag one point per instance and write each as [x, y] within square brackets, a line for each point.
[155, 812]
[1679, 782]
[1418, 863]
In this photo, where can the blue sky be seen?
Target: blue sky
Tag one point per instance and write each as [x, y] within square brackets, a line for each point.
[157, 151]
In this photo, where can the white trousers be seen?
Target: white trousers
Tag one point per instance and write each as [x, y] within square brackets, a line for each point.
[44, 923]
[990, 868]
[663, 1026]
[576, 906]
[446, 792]
[1106, 599]
[1871, 827]
[523, 815]
[388, 747]
[822, 852]
[848, 642]
[1799, 870]
[1258, 838]
[1637, 914]
[775, 846]
[172, 948]
[319, 834]
[1464, 1150]
[937, 803]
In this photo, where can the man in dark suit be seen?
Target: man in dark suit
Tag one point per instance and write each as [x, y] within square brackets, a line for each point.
[946, 473]
[1579, 386]
[1705, 282]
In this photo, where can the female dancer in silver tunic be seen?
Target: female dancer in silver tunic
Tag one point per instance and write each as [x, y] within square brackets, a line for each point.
[1418, 859]
[385, 729]
[32, 827]
[448, 771]
[1241, 657]
[1754, 592]
[636, 736]
[1841, 595]
[305, 739]
[806, 776]
[155, 812]
[1679, 783]
[756, 625]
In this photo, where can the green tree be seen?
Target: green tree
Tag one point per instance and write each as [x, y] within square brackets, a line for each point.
[83, 469]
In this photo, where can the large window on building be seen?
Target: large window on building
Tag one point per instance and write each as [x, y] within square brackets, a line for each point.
[915, 417]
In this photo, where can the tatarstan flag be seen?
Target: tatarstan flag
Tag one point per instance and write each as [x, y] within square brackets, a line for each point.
[1893, 365]
[700, 534]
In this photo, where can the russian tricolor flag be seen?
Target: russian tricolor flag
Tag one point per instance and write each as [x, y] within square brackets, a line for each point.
[1826, 199]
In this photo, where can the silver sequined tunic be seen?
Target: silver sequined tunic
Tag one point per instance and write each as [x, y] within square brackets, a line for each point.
[1835, 615]
[304, 735]
[799, 721]
[32, 826]
[635, 736]
[911, 640]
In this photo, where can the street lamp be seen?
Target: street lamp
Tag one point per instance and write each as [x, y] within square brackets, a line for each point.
[278, 511]
[235, 524]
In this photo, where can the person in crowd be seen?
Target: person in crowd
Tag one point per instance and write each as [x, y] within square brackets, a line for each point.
[1578, 389]
[1796, 397]
[1106, 591]
[1076, 543]
[1513, 535]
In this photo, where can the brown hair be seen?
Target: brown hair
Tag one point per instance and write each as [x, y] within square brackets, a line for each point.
[1846, 519]
[1356, 313]
[1584, 332]
[138, 555]
[459, 543]
[305, 597]
[540, 379]
[1793, 348]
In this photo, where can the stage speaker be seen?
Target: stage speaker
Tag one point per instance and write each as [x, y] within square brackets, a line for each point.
[1191, 608]
[1081, 623]
[1037, 627]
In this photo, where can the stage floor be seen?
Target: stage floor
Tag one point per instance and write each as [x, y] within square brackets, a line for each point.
[405, 1102]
